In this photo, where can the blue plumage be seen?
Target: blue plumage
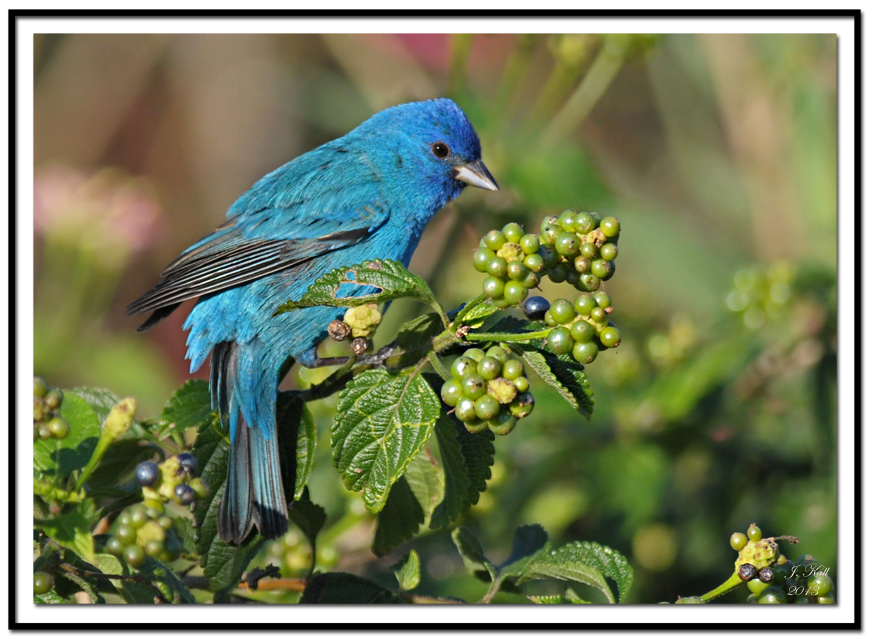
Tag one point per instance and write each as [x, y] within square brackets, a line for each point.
[366, 195]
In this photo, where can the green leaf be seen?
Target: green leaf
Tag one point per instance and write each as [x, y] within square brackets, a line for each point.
[297, 439]
[71, 530]
[189, 406]
[565, 375]
[399, 520]
[309, 517]
[186, 533]
[528, 540]
[223, 564]
[584, 562]
[426, 480]
[51, 597]
[390, 277]
[408, 571]
[120, 461]
[475, 311]
[73, 452]
[344, 588]
[472, 555]
[166, 582]
[383, 422]
[417, 334]
[102, 401]
[509, 326]
[466, 458]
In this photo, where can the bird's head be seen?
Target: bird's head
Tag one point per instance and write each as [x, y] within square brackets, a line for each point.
[435, 146]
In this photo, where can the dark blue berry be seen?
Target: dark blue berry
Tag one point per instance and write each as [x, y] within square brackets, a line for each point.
[185, 494]
[535, 307]
[147, 474]
[187, 462]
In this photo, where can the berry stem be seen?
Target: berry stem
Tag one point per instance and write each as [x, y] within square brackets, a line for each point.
[437, 366]
[501, 337]
[730, 584]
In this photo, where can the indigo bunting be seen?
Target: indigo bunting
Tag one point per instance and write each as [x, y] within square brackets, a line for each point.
[366, 195]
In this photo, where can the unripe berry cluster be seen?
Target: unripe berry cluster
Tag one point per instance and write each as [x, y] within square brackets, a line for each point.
[769, 574]
[143, 530]
[47, 422]
[761, 294]
[488, 389]
[580, 328]
[172, 479]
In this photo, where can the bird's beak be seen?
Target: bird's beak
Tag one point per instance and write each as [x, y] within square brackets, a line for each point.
[475, 174]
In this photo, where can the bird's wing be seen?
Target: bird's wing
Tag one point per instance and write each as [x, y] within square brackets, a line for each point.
[287, 218]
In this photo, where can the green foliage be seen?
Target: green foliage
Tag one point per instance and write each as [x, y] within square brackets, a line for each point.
[408, 571]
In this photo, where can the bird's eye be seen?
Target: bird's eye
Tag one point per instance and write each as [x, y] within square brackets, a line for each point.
[440, 150]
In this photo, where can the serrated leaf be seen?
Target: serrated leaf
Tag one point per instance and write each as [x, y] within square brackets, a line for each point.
[51, 597]
[165, 581]
[584, 562]
[186, 533]
[467, 459]
[566, 376]
[109, 564]
[102, 401]
[426, 480]
[417, 333]
[309, 517]
[528, 540]
[73, 452]
[297, 438]
[508, 326]
[408, 571]
[390, 277]
[223, 564]
[399, 520]
[188, 407]
[344, 588]
[475, 311]
[383, 422]
[476, 563]
[71, 530]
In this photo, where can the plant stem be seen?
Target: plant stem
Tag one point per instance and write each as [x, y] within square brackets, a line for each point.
[508, 338]
[437, 366]
[730, 584]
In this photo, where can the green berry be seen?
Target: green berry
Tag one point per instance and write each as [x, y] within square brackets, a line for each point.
[482, 257]
[517, 271]
[126, 534]
[772, 595]
[562, 311]
[166, 522]
[504, 391]
[124, 518]
[40, 388]
[782, 571]
[550, 233]
[585, 352]
[582, 332]
[473, 386]
[500, 304]
[738, 541]
[494, 239]
[43, 431]
[476, 426]
[598, 314]
[602, 269]
[512, 369]
[572, 277]
[503, 423]
[805, 560]
[690, 600]
[513, 232]
[54, 398]
[42, 583]
[530, 244]
[498, 353]
[756, 585]
[58, 427]
[589, 282]
[801, 599]
[474, 353]
[522, 405]
[486, 407]
[584, 304]
[602, 299]
[465, 410]
[752, 598]
[534, 262]
[451, 392]
[114, 546]
[609, 251]
[566, 220]
[549, 255]
[747, 572]
[488, 368]
[530, 281]
[588, 250]
[754, 534]
[39, 409]
[515, 292]
[462, 366]
[567, 245]
[154, 548]
[584, 223]
[521, 383]
[582, 265]
[822, 582]
[559, 341]
[497, 267]
[826, 599]
[138, 517]
[493, 287]
[558, 273]
[134, 555]
[609, 226]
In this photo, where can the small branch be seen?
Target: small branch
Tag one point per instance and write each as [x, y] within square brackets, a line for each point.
[66, 566]
[508, 338]
[437, 366]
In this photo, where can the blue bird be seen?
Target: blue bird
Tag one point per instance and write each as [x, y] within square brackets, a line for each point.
[366, 195]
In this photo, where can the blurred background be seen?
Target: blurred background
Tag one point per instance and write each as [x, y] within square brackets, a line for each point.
[716, 152]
